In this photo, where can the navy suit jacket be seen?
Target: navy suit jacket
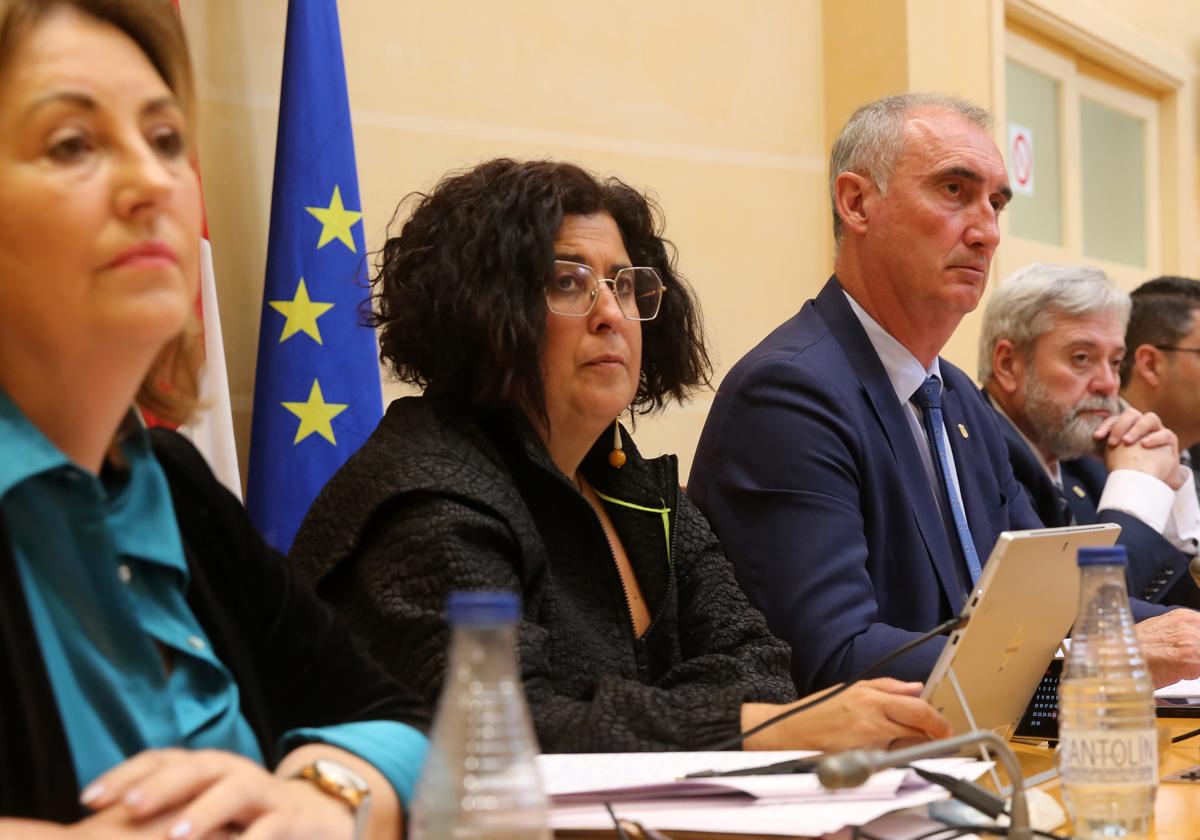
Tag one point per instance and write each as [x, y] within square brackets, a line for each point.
[1157, 570]
[809, 473]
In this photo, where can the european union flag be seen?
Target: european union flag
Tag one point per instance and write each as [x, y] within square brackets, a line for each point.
[317, 393]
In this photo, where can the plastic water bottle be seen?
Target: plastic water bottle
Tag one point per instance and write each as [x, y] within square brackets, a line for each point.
[481, 778]
[1107, 749]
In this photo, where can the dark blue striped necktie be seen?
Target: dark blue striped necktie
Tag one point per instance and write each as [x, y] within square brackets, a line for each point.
[929, 398]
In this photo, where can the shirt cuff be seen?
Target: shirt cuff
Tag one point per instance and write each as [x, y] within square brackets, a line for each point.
[394, 749]
[1140, 495]
[1183, 529]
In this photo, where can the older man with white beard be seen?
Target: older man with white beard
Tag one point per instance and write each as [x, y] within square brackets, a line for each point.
[1049, 356]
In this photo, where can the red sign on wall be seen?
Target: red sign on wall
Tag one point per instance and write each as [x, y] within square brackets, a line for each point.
[1020, 159]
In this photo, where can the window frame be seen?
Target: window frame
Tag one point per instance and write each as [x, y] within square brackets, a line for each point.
[1039, 59]
[1145, 110]
[1102, 42]
[1073, 85]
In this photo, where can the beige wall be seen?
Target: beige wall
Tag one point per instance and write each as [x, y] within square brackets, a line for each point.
[723, 110]
[715, 107]
[876, 47]
[1174, 23]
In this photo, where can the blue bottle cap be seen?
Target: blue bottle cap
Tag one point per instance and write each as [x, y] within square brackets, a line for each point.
[476, 608]
[1103, 555]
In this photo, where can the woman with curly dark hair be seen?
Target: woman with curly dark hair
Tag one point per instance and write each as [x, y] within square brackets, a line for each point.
[534, 305]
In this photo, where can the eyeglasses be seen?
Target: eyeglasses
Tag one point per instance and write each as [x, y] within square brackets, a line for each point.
[1177, 349]
[574, 287]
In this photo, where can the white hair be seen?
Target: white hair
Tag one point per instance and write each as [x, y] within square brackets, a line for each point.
[1023, 307]
[872, 139]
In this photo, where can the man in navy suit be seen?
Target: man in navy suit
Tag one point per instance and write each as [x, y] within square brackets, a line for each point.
[1051, 347]
[826, 483]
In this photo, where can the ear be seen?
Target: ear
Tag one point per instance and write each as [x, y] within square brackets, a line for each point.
[852, 195]
[1008, 367]
[1149, 365]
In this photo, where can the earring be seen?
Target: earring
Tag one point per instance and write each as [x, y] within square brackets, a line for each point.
[616, 458]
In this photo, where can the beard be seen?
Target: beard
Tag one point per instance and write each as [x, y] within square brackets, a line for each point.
[1065, 430]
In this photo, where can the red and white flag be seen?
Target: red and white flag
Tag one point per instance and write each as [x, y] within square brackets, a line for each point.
[211, 428]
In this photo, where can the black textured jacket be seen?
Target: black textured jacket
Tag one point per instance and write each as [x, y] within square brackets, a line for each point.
[439, 499]
[294, 663]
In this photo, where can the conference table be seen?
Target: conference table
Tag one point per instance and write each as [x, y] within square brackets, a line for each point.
[1176, 810]
[1177, 807]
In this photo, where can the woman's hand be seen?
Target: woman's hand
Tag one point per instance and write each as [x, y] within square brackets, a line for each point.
[212, 791]
[112, 824]
[881, 713]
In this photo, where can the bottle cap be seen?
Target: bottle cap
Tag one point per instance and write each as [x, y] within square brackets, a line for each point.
[1103, 555]
[476, 608]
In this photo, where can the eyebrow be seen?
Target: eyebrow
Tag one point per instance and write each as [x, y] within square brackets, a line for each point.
[87, 103]
[1091, 344]
[577, 258]
[973, 176]
[161, 103]
[79, 100]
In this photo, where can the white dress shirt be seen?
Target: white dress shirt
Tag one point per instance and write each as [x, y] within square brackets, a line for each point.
[907, 375]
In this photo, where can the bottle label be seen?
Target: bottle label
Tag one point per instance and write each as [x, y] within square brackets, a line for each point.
[1108, 757]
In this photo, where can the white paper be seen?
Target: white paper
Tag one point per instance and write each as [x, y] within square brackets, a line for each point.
[740, 816]
[1181, 689]
[648, 788]
[579, 772]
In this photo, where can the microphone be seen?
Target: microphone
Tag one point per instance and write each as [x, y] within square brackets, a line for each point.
[853, 767]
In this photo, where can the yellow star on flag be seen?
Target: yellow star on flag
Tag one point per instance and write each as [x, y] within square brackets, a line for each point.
[336, 221]
[301, 314]
[315, 415]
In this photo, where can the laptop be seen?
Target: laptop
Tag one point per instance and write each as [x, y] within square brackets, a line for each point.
[1017, 616]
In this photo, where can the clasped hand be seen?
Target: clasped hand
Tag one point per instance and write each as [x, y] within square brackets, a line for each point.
[179, 794]
[1137, 441]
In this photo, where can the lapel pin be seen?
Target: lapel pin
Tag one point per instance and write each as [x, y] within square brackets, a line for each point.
[1078, 491]
[962, 430]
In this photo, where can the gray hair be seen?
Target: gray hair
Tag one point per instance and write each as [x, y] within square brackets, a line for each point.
[872, 139]
[1023, 307]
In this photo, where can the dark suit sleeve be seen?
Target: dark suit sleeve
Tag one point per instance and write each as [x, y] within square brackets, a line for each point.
[1025, 478]
[1024, 517]
[1155, 565]
[783, 487]
[1087, 476]
[423, 545]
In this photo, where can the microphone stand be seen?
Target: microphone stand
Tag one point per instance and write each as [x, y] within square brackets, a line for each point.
[852, 768]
